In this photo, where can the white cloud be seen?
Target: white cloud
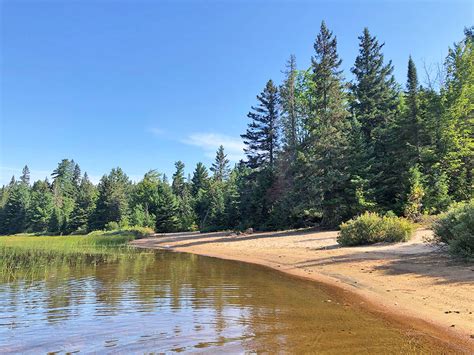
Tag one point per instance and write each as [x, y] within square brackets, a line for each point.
[209, 142]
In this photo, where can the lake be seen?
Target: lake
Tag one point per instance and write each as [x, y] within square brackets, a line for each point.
[172, 302]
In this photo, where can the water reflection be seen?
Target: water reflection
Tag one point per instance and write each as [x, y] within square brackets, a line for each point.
[178, 302]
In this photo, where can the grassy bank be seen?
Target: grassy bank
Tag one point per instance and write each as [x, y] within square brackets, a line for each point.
[30, 256]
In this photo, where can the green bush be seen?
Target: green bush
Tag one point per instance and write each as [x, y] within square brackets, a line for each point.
[110, 226]
[131, 233]
[138, 232]
[456, 229]
[371, 228]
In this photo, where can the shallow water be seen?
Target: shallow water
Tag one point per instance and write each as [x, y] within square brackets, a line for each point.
[172, 302]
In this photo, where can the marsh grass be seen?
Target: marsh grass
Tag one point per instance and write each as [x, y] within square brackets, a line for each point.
[30, 257]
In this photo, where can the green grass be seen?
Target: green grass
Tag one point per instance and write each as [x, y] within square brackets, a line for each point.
[30, 256]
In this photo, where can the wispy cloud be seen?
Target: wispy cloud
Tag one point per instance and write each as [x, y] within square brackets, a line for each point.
[156, 131]
[209, 142]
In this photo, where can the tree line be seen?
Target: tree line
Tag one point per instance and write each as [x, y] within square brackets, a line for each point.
[319, 150]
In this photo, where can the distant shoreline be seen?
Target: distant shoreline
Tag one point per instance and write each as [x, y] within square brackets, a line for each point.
[411, 284]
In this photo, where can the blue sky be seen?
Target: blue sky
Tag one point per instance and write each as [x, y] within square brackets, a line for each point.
[141, 84]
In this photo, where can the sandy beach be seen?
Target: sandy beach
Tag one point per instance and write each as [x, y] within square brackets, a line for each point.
[413, 283]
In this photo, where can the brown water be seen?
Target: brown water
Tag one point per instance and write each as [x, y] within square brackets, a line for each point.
[171, 302]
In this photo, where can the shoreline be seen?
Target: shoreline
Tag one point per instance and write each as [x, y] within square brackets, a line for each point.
[350, 273]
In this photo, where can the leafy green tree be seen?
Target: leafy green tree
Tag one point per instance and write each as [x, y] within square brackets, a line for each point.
[141, 217]
[413, 204]
[41, 206]
[459, 107]
[220, 167]
[261, 138]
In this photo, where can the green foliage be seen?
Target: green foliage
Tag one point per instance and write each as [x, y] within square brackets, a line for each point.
[56, 221]
[456, 229]
[13, 217]
[166, 210]
[370, 228]
[41, 206]
[220, 167]
[200, 179]
[319, 150]
[85, 204]
[141, 217]
[261, 138]
[413, 204]
[112, 202]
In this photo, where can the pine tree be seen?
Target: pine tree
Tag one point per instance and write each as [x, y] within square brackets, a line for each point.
[167, 210]
[200, 179]
[374, 93]
[76, 179]
[220, 167]
[412, 127]
[374, 103]
[55, 225]
[63, 189]
[41, 206]
[112, 202]
[178, 185]
[261, 138]
[289, 108]
[84, 206]
[14, 213]
[25, 176]
[323, 163]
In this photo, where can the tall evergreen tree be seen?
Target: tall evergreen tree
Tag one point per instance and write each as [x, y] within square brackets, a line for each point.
[289, 104]
[412, 127]
[112, 202]
[200, 179]
[261, 138]
[167, 210]
[179, 184]
[324, 160]
[14, 213]
[374, 104]
[220, 167]
[25, 176]
[374, 96]
[41, 206]
[84, 206]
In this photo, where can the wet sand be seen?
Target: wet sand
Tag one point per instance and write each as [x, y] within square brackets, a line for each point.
[413, 283]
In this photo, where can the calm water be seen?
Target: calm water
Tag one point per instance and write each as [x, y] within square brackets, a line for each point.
[170, 302]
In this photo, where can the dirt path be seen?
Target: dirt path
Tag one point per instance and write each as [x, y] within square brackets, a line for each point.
[413, 282]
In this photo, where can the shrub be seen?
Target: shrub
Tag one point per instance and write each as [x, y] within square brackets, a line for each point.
[456, 229]
[371, 228]
[110, 226]
[138, 232]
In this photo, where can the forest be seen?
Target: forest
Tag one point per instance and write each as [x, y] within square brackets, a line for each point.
[319, 150]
